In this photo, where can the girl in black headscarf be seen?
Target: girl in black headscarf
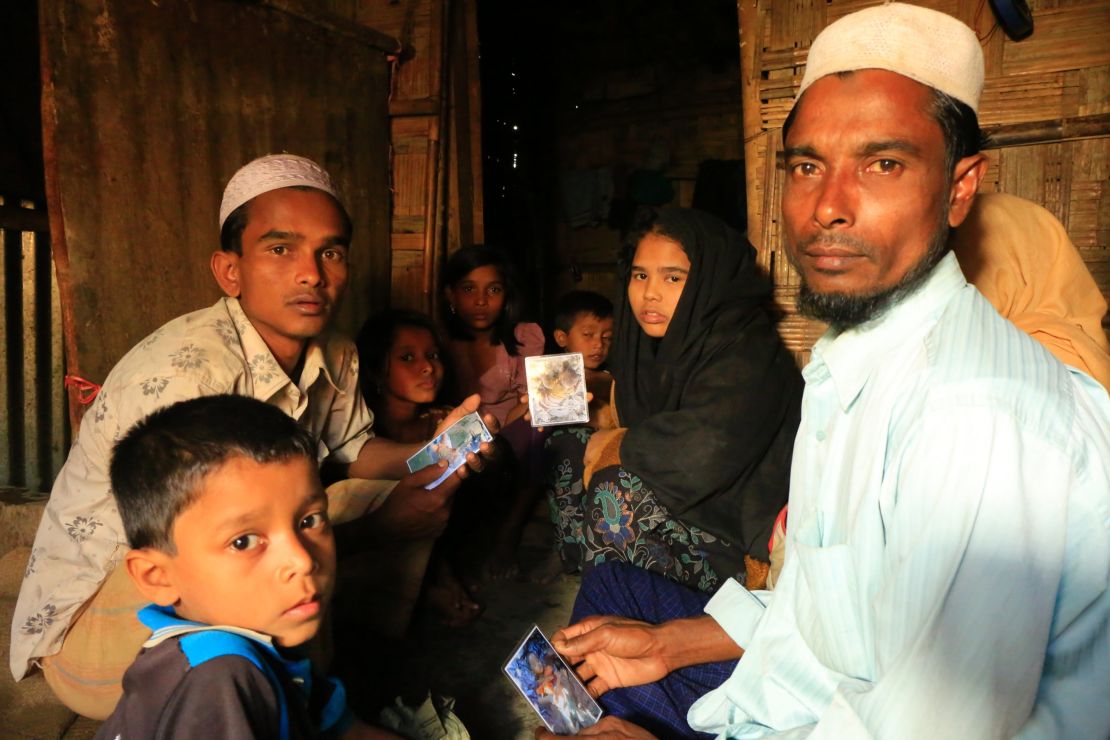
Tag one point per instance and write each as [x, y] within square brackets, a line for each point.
[706, 405]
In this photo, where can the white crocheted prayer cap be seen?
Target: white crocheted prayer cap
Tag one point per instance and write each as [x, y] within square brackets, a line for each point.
[925, 45]
[270, 173]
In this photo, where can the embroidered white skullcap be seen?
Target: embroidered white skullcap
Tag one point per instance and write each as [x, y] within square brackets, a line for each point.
[925, 45]
[270, 173]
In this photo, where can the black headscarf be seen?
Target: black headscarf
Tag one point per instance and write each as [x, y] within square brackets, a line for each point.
[711, 407]
[723, 285]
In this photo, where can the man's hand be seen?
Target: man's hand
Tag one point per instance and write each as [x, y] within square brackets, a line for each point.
[609, 728]
[411, 512]
[611, 652]
[487, 451]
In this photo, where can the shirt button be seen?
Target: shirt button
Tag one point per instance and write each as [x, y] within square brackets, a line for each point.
[821, 436]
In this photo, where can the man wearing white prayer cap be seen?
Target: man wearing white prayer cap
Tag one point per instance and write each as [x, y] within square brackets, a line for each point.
[285, 238]
[948, 541]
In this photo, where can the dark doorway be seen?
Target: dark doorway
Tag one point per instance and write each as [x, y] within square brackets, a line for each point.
[593, 109]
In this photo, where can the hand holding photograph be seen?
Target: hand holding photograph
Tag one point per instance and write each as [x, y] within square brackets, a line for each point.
[550, 686]
[557, 389]
[453, 445]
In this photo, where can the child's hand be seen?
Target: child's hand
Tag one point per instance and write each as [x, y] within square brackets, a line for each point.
[520, 411]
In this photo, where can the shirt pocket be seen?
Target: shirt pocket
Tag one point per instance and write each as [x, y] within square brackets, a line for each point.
[831, 612]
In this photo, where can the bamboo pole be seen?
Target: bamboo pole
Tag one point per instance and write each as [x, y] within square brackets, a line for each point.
[1044, 132]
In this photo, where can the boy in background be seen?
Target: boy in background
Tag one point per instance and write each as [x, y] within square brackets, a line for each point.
[584, 323]
[227, 520]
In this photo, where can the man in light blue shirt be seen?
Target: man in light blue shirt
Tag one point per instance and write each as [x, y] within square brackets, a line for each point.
[948, 546]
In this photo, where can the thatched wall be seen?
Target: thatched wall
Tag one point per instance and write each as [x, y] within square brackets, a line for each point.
[150, 107]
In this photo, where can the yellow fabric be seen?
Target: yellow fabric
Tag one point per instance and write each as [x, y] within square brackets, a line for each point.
[1020, 258]
[609, 454]
[101, 644]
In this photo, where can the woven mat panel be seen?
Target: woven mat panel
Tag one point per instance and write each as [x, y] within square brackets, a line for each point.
[1057, 76]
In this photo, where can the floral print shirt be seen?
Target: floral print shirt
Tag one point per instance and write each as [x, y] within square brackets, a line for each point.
[215, 350]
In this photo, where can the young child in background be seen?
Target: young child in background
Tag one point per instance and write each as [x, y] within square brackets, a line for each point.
[584, 323]
[487, 344]
[401, 373]
[227, 520]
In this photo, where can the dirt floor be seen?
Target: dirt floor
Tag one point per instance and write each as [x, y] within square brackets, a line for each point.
[465, 662]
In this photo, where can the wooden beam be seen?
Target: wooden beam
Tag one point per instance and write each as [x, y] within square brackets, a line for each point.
[414, 107]
[334, 23]
[23, 219]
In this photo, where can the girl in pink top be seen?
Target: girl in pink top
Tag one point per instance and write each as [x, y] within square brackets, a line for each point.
[488, 344]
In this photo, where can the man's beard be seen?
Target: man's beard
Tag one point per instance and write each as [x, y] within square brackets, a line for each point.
[846, 310]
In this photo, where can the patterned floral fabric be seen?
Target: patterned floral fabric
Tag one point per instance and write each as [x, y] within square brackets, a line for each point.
[214, 350]
[619, 518]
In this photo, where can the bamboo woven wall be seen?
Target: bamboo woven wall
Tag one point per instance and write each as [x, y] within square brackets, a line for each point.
[149, 108]
[435, 134]
[1046, 103]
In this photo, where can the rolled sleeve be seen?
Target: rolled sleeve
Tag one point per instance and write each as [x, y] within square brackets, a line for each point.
[738, 610]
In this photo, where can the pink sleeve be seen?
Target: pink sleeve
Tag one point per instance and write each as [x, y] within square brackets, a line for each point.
[531, 338]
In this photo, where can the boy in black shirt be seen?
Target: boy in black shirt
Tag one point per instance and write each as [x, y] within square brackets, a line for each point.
[227, 520]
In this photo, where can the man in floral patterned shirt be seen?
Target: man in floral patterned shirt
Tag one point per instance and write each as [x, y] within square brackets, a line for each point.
[283, 265]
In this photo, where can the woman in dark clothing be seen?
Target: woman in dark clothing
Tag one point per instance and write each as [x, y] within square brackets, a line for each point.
[707, 402]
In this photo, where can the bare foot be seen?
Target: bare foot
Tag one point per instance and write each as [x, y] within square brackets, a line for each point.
[450, 599]
[502, 564]
[549, 570]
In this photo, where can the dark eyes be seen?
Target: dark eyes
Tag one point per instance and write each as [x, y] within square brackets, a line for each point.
[805, 169]
[245, 542]
[313, 521]
[879, 166]
[884, 166]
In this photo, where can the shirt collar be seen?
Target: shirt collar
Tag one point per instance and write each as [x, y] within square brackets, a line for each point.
[164, 624]
[850, 356]
[264, 369]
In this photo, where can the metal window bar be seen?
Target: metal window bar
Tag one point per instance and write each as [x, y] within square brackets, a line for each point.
[34, 427]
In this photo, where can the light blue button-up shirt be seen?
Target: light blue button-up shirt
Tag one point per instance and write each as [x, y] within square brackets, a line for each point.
[948, 547]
